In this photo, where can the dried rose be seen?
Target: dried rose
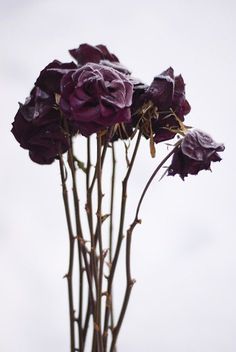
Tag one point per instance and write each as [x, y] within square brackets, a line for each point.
[86, 53]
[195, 153]
[38, 127]
[167, 94]
[95, 97]
[50, 77]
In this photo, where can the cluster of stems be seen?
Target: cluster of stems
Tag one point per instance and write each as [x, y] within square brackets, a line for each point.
[94, 304]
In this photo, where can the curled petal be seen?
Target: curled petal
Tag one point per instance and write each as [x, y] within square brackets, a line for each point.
[195, 153]
[98, 95]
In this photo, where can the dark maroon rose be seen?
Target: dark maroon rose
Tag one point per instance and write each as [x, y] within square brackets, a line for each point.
[88, 53]
[139, 95]
[126, 130]
[50, 77]
[167, 94]
[98, 54]
[179, 103]
[195, 153]
[95, 97]
[38, 127]
[161, 90]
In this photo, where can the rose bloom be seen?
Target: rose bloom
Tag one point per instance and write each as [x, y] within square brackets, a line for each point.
[167, 93]
[95, 97]
[98, 54]
[195, 153]
[38, 128]
[49, 79]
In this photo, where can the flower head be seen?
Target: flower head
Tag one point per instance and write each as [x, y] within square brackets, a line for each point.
[49, 79]
[195, 153]
[98, 54]
[38, 127]
[166, 105]
[95, 97]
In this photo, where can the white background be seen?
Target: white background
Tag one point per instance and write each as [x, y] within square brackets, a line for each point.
[184, 252]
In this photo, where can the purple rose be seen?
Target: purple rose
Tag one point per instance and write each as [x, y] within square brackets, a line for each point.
[95, 97]
[195, 153]
[38, 127]
[167, 93]
[88, 53]
[98, 54]
[126, 130]
[50, 77]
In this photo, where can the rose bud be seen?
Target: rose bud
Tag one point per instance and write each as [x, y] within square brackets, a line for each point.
[95, 97]
[195, 153]
[37, 127]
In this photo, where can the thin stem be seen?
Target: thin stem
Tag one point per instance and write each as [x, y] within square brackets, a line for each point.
[129, 281]
[89, 212]
[119, 240]
[88, 207]
[108, 137]
[99, 235]
[93, 260]
[95, 236]
[111, 222]
[129, 285]
[80, 238]
[71, 254]
[79, 235]
[154, 174]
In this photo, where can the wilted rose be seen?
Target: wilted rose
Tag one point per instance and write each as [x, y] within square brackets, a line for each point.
[38, 127]
[195, 153]
[98, 54]
[167, 94]
[49, 79]
[95, 97]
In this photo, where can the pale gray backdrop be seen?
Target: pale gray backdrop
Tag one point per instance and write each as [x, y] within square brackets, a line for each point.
[184, 252]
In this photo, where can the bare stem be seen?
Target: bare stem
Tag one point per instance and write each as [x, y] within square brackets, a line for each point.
[99, 235]
[81, 245]
[119, 240]
[111, 222]
[154, 174]
[79, 235]
[104, 151]
[89, 212]
[71, 254]
[129, 281]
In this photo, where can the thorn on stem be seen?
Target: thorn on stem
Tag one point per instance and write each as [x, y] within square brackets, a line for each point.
[104, 253]
[104, 217]
[132, 282]
[87, 208]
[96, 327]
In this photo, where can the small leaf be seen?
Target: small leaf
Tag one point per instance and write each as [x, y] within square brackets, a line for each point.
[80, 164]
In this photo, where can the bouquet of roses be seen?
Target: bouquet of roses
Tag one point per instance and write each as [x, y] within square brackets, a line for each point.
[96, 97]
